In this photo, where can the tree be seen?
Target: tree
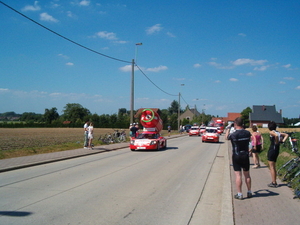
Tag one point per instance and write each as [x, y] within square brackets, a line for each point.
[51, 115]
[174, 107]
[75, 112]
[245, 116]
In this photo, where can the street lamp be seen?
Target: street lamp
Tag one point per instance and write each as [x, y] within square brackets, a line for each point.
[132, 83]
[179, 106]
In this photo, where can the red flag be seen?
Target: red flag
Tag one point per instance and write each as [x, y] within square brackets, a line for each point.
[139, 43]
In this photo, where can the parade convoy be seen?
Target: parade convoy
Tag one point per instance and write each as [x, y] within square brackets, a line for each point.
[149, 138]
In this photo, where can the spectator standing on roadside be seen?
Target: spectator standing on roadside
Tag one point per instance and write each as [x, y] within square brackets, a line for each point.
[257, 145]
[133, 130]
[91, 135]
[169, 130]
[137, 129]
[273, 152]
[86, 132]
[240, 139]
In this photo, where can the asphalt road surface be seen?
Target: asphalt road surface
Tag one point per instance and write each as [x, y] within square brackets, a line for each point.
[116, 187]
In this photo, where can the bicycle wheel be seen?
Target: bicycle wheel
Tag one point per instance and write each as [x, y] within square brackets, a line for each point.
[295, 180]
[288, 163]
[291, 171]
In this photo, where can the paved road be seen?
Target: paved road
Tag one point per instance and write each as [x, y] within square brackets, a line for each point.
[215, 206]
[119, 187]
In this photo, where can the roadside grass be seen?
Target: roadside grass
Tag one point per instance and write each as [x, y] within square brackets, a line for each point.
[285, 152]
[17, 142]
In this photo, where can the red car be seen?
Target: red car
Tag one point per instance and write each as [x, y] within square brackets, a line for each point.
[195, 130]
[148, 141]
[211, 135]
[202, 129]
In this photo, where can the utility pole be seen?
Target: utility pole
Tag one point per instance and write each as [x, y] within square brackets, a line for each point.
[179, 111]
[132, 92]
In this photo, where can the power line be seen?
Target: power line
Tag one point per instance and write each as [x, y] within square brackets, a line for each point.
[80, 45]
[183, 99]
[153, 82]
[89, 49]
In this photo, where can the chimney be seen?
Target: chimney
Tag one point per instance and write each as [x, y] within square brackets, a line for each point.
[280, 111]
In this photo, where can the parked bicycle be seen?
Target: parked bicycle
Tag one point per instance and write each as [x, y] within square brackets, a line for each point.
[293, 141]
[292, 166]
[106, 138]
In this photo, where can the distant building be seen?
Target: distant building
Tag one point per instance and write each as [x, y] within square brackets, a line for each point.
[230, 117]
[262, 114]
[189, 114]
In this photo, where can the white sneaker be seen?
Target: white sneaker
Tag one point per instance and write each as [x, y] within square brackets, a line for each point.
[85, 147]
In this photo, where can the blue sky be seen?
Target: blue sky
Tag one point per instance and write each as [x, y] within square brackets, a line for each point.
[228, 54]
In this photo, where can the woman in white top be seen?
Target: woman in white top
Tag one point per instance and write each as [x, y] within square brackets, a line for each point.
[90, 135]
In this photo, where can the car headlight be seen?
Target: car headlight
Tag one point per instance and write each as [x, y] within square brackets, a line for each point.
[153, 142]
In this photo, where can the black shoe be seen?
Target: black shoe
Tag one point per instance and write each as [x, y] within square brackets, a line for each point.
[239, 197]
[273, 185]
[249, 195]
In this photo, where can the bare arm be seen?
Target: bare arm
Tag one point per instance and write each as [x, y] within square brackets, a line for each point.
[285, 136]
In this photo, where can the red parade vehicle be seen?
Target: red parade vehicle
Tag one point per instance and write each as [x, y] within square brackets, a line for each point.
[195, 130]
[211, 135]
[217, 123]
[149, 138]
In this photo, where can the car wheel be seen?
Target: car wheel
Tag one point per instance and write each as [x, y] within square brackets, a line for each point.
[132, 149]
[165, 147]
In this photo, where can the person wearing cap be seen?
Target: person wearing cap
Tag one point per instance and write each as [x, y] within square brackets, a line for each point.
[130, 133]
[133, 130]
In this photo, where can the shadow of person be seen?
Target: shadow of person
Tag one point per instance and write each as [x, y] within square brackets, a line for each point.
[264, 193]
[15, 213]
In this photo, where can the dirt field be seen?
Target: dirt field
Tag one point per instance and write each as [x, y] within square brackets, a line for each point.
[16, 142]
[266, 130]
[25, 141]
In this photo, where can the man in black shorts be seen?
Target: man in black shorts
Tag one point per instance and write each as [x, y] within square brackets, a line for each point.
[240, 139]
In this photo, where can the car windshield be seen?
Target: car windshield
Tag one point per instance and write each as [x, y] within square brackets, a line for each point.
[211, 130]
[147, 136]
[194, 128]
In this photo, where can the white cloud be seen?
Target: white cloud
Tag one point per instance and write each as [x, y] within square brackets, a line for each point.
[70, 14]
[219, 66]
[287, 66]
[197, 65]
[288, 78]
[242, 34]
[120, 42]
[154, 29]
[252, 62]
[157, 69]
[233, 79]
[4, 90]
[262, 68]
[46, 17]
[63, 56]
[69, 64]
[107, 35]
[214, 64]
[298, 88]
[34, 7]
[171, 35]
[128, 68]
[281, 82]
[217, 81]
[84, 3]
